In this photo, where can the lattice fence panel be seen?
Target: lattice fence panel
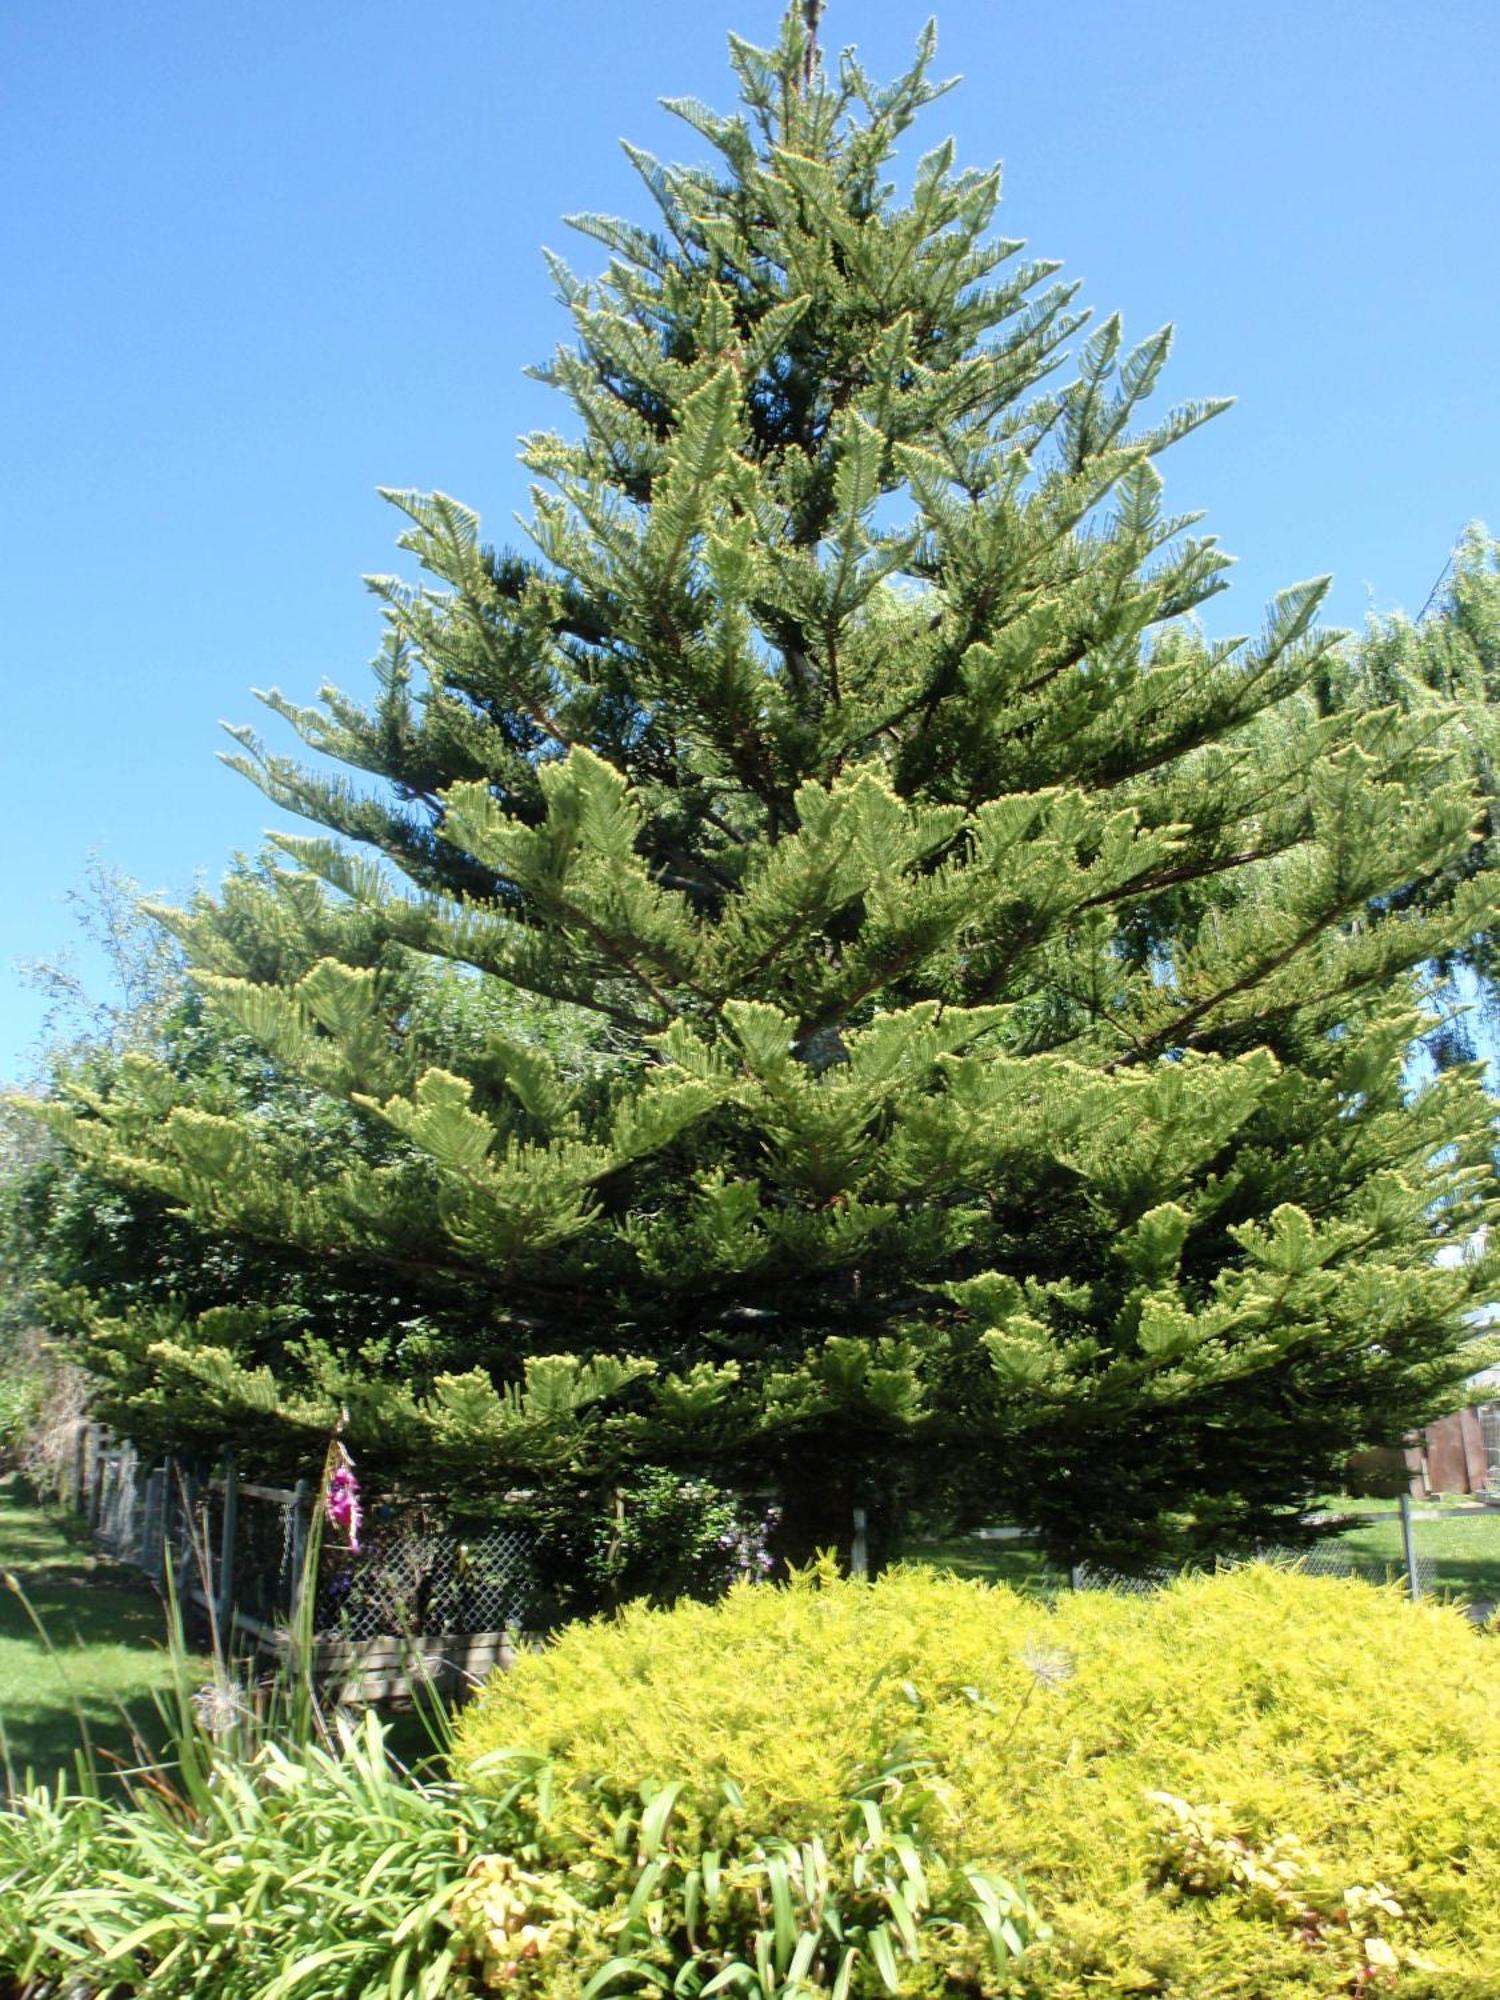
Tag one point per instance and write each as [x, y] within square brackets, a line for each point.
[419, 1581]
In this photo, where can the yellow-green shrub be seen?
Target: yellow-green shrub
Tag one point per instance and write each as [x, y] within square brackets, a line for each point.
[1326, 1759]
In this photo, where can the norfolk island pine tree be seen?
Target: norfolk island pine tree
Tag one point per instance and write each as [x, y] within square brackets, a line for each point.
[983, 998]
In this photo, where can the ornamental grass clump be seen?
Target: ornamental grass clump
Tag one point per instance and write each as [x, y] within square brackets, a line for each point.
[1247, 1786]
[271, 1851]
[313, 1872]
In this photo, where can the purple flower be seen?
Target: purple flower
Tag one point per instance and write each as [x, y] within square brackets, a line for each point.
[341, 1496]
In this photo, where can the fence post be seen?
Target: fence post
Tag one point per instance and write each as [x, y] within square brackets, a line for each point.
[95, 1474]
[299, 1541]
[132, 1506]
[859, 1548]
[152, 1522]
[1409, 1549]
[79, 1496]
[224, 1595]
[106, 1478]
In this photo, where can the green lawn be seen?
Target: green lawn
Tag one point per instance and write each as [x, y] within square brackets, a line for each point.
[106, 1630]
[1458, 1549]
[1017, 1563]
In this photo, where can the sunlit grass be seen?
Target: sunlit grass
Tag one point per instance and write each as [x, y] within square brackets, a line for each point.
[1457, 1543]
[107, 1634]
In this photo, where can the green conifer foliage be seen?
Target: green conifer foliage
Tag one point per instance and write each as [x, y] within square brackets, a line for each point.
[1445, 667]
[1001, 990]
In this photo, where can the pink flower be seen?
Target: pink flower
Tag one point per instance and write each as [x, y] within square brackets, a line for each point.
[341, 1496]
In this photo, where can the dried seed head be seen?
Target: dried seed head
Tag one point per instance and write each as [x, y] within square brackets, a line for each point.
[1049, 1666]
[219, 1705]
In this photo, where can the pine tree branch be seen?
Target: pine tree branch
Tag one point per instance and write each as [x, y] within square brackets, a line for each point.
[612, 949]
[694, 872]
[1171, 878]
[1173, 1036]
[812, 15]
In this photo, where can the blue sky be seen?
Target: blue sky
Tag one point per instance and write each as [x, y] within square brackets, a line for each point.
[260, 260]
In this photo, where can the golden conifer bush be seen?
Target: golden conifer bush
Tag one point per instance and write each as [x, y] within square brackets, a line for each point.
[1246, 1786]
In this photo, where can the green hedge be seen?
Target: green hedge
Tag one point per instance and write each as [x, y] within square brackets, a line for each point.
[1250, 1785]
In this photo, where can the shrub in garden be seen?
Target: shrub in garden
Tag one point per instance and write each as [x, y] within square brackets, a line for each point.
[662, 1535]
[874, 1903]
[1246, 1786]
[274, 1856]
[323, 1872]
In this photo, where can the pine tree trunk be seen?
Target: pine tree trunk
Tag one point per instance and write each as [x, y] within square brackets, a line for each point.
[819, 1499]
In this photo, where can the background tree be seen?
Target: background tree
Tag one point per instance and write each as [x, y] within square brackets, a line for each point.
[1444, 667]
[142, 978]
[109, 1269]
[96, 1276]
[1002, 988]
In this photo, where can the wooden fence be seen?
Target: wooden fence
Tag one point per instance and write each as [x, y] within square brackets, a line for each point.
[1457, 1455]
[1453, 1455]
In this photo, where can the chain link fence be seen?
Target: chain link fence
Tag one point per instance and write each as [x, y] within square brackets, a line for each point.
[1386, 1549]
[1443, 1547]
